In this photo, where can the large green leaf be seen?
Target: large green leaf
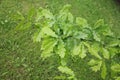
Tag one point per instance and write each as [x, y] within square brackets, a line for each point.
[104, 71]
[62, 17]
[65, 16]
[70, 44]
[88, 32]
[41, 34]
[116, 67]
[67, 30]
[49, 32]
[80, 35]
[94, 50]
[117, 78]
[65, 8]
[63, 62]
[113, 51]
[61, 49]
[66, 70]
[79, 50]
[44, 13]
[103, 29]
[96, 64]
[106, 30]
[82, 51]
[47, 14]
[105, 53]
[47, 47]
[70, 17]
[81, 22]
[114, 42]
[76, 50]
[96, 36]
[37, 36]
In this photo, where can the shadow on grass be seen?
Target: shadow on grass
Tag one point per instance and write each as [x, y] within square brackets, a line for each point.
[117, 2]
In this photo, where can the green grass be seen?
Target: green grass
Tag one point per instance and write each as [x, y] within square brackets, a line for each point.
[20, 57]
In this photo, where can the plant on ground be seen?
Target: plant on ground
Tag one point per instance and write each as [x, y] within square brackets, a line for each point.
[64, 35]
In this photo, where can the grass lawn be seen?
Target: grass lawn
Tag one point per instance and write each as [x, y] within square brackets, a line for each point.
[20, 57]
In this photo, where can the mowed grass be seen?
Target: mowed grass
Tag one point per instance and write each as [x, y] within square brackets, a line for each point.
[20, 57]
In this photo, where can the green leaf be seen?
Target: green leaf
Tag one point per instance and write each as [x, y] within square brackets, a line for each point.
[70, 17]
[47, 47]
[94, 50]
[80, 35]
[96, 64]
[70, 44]
[107, 32]
[116, 67]
[105, 53]
[65, 8]
[37, 36]
[39, 14]
[65, 16]
[92, 62]
[41, 34]
[114, 42]
[44, 13]
[96, 36]
[81, 22]
[62, 17]
[61, 49]
[67, 30]
[82, 51]
[66, 70]
[47, 14]
[113, 51]
[104, 71]
[86, 44]
[76, 50]
[88, 32]
[63, 62]
[99, 23]
[79, 50]
[49, 32]
[104, 30]
[96, 68]
[117, 78]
